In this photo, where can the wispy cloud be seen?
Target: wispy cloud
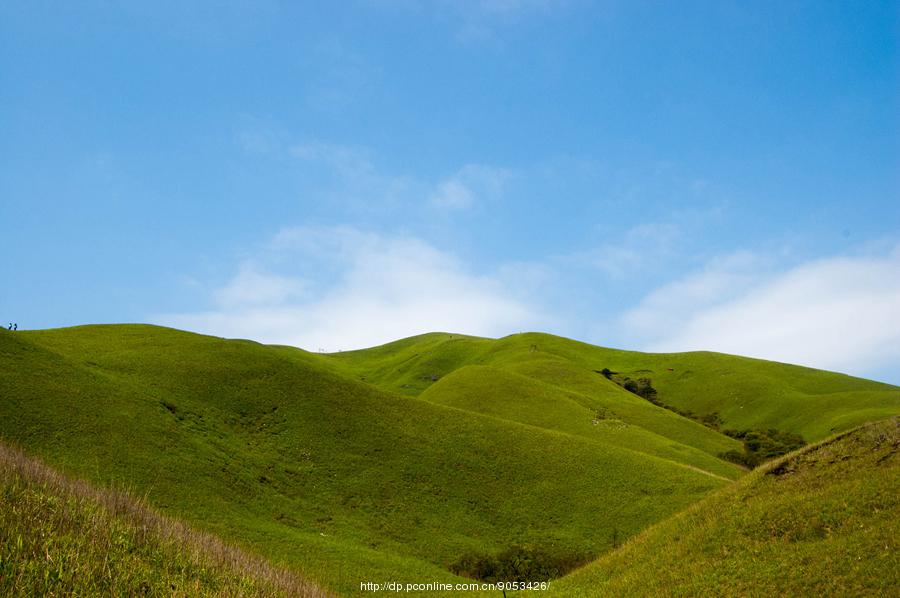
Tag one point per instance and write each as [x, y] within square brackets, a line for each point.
[452, 194]
[338, 76]
[253, 286]
[380, 288]
[353, 178]
[359, 181]
[664, 311]
[259, 138]
[481, 18]
[640, 250]
[351, 163]
[837, 313]
[471, 183]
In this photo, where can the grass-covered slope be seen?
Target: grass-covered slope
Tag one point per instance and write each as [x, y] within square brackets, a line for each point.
[412, 366]
[746, 393]
[505, 395]
[286, 453]
[824, 521]
[60, 536]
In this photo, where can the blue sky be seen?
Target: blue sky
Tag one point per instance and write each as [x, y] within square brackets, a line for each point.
[657, 176]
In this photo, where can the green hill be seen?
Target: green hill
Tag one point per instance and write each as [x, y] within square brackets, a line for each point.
[607, 420]
[403, 462]
[60, 536]
[822, 521]
[746, 393]
[275, 449]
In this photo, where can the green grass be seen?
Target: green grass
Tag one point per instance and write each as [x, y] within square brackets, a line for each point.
[822, 521]
[60, 536]
[607, 421]
[391, 463]
[747, 393]
[279, 451]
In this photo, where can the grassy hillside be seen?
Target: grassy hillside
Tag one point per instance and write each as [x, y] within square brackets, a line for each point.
[411, 366]
[607, 421]
[59, 536]
[746, 393]
[283, 452]
[822, 521]
[402, 461]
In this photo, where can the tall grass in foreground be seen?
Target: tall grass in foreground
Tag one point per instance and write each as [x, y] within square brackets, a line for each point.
[60, 536]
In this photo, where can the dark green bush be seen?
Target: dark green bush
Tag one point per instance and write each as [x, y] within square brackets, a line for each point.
[643, 387]
[519, 563]
[762, 445]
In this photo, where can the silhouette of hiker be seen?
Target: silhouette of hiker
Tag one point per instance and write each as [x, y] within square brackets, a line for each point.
[16, 326]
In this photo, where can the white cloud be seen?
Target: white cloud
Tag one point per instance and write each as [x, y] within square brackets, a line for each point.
[348, 162]
[644, 247]
[385, 288]
[250, 286]
[357, 182]
[452, 195]
[838, 313]
[473, 181]
[360, 183]
[258, 137]
[664, 311]
[336, 76]
[481, 18]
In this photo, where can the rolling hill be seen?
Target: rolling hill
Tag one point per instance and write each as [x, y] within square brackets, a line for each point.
[745, 392]
[402, 461]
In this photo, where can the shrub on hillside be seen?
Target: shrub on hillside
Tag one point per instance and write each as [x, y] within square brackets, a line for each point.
[712, 420]
[643, 387]
[762, 445]
[518, 563]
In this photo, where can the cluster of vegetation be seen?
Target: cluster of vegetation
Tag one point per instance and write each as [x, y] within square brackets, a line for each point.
[643, 387]
[519, 563]
[602, 413]
[63, 537]
[761, 446]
